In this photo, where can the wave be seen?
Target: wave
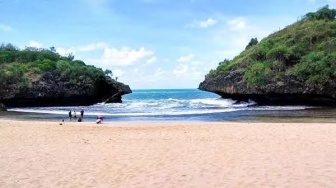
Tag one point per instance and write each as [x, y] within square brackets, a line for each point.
[162, 113]
[161, 107]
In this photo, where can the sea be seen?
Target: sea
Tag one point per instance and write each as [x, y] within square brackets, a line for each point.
[178, 105]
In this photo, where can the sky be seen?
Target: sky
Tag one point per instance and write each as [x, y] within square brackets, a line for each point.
[149, 44]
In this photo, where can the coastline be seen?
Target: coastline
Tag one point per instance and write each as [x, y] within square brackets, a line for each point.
[309, 115]
[167, 154]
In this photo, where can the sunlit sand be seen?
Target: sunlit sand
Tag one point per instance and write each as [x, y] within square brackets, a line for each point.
[167, 154]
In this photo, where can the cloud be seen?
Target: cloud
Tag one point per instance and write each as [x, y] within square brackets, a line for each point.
[6, 28]
[203, 23]
[181, 69]
[35, 44]
[83, 48]
[105, 55]
[207, 23]
[151, 60]
[122, 57]
[237, 24]
[188, 67]
[118, 72]
[92, 47]
[187, 58]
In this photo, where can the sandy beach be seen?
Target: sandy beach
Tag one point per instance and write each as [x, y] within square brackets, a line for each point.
[167, 154]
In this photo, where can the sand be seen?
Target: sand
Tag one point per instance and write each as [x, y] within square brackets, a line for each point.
[167, 154]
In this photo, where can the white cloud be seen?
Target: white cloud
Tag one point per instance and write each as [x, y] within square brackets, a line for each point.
[83, 48]
[109, 56]
[237, 24]
[151, 60]
[186, 58]
[6, 28]
[207, 23]
[181, 69]
[35, 44]
[65, 51]
[118, 73]
[124, 56]
[188, 67]
[92, 47]
[203, 23]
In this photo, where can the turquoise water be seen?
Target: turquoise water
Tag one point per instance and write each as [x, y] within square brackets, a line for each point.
[171, 104]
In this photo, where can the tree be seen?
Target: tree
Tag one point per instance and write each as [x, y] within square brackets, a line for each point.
[71, 57]
[53, 49]
[323, 13]
[108, 73]
[226, 61]
[252, 42]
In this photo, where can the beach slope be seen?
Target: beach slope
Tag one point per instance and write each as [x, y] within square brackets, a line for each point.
[167, 154]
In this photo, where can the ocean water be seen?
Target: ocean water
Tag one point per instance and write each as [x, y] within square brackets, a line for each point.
[175, 105]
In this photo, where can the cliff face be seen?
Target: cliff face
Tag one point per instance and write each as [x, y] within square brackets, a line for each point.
[2, 107]
[52, 90]
[289, 91]
[42, 77]
[294, 66]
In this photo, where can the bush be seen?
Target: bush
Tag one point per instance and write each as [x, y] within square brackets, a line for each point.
[18, 66]
[257, 74]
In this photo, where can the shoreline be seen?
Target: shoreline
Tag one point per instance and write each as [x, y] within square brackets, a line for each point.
[167, 154]
[322, 115]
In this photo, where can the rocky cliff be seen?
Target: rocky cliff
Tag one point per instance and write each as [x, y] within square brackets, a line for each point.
[294, 66]
[52, 90]
[42, 77]
[289, 91]
[2, 107]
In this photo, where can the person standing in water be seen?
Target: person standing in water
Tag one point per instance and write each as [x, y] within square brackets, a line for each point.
[75, 116]
[70, 115]
[82, 113]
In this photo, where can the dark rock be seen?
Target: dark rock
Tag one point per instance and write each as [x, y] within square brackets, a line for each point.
[3, 107]
[52, 90]
[289, 91]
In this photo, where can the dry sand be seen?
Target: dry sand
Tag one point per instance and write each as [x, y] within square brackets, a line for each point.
[167, 154]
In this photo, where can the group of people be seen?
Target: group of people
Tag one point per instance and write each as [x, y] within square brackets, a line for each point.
[73, 114]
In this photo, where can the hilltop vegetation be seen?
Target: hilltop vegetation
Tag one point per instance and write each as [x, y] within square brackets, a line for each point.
[42, 77]
[305, 50]
[19, 68]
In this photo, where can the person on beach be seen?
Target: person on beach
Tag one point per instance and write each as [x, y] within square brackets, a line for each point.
[75, 115]
[70, 115]
[82, 113]
[99, 119]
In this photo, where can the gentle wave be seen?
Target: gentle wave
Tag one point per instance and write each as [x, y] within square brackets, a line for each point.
[95, 111]
[162, 103]
[127, 114]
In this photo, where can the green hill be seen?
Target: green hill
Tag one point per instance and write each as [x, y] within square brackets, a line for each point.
[42, 77]
[303, 53]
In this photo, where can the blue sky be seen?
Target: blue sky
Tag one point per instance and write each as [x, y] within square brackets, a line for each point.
[149, 43]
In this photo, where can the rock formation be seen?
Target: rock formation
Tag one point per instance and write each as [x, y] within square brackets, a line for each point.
[52, 90]
[293, 66]
[2, 107]
[289, 91]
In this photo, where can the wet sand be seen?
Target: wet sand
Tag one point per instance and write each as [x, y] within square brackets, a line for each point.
[167, 154]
